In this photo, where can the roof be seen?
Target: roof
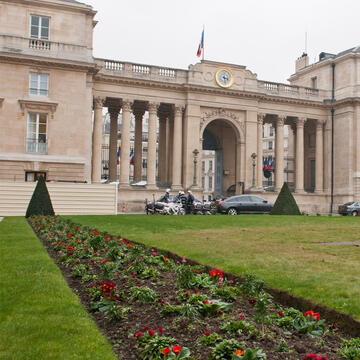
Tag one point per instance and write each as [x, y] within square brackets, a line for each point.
[74, 2]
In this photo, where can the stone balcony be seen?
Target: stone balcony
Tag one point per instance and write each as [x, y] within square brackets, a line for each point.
[18, 45]
[181, 77]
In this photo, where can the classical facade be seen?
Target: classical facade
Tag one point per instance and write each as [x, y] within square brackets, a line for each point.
[53, 92]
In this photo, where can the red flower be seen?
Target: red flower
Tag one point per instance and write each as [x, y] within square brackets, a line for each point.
[207, 333]
[252, 301]
[107, 287]
[160, 330]
[314, 357]
[280, 313]
[96, 233]
[151, 332]
[176, 349]
[139, 334]
[69, 235]
[216, 273]
[313, 315]
[166, 351]
[241, 317]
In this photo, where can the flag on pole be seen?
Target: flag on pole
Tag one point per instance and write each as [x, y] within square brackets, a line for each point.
[118, 156]
[201, 46]
[131, 157]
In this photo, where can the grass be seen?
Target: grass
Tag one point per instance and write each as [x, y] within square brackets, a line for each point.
[40, 318]
[285, 251]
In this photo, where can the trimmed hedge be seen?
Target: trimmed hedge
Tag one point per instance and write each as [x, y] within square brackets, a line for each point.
[40, 203]
[285, 203]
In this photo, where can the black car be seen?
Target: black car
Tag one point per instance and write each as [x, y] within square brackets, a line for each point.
[350, 208]
[250, 204]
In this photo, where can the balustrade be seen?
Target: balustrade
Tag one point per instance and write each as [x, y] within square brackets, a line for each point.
[39, 44]
[141, 69]
[114, 65]
[167, 72]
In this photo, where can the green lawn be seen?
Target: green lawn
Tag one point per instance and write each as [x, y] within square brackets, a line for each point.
[282, 250]
[40, 318]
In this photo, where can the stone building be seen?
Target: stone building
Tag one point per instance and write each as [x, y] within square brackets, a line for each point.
[53, 92]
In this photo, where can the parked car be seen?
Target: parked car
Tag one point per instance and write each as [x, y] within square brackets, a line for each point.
[350, 208]
[251, 204]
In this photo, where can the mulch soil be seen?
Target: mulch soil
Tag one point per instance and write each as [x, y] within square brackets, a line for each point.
[121, 333]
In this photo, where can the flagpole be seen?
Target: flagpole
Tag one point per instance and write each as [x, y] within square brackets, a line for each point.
[203, 52]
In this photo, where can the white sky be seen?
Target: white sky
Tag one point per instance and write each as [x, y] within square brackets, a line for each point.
[264, 35]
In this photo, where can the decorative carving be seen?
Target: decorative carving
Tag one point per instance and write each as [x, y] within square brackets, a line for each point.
[300, 122]
[178, 109]
[126, 105]
[280, 121]
[153, 107]
[114, 112]
[260, 118]
[35, 105]
[98, 102]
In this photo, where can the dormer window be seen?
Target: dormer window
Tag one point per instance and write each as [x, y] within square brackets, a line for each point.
[39, 27]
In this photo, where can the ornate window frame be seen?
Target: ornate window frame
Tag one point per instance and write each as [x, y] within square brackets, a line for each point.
[27, 105]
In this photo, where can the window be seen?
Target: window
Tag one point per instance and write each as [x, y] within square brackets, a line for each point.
[271, 131]
[34, 175]
[314, 82]
[203, 182]
[36, 133]
[210, 182]
[39, 27]
[144, 163]
[203, 166]
[210, 166]
[270, 145]
[145, 149]
[39, 84]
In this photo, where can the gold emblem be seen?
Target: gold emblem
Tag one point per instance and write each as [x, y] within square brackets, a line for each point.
[224, 78]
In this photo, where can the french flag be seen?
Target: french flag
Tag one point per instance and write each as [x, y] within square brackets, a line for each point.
[201, 45]
[132, 157]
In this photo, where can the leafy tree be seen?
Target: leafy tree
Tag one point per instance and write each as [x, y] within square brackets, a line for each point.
[40, 203]
[285, 203]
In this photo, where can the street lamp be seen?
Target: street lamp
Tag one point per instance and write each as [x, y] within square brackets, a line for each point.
[253, 157]
[196, 153]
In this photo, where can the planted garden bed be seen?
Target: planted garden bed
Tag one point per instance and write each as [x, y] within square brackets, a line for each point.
[152, 306]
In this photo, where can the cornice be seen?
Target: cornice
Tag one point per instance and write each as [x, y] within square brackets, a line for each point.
[345, 101]
[190, 88]
[42, 158]
[49, 62]
[78, 7]
[36, 104]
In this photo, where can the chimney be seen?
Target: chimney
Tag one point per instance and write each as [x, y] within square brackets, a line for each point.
[301, 62]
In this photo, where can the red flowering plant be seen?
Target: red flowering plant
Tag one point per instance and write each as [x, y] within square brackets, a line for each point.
[209, 339]
[176, 352]
[216, 273]
[314, 357]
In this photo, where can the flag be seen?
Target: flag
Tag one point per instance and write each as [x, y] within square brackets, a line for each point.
[201, 45]
[131, 157]
[118, 156]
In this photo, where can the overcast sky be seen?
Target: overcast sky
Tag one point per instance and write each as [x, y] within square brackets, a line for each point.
[264, 35]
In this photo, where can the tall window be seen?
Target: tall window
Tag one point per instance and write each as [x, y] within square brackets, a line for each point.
[39, 27]
[210, 165]
[210, 182]
[39, 84]
[203, 166]
[270, 145]
[271, 131]
[203, 182]
[36, 133]
[314, 82]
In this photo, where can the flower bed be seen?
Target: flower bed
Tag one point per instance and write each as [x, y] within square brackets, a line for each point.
[154, 307]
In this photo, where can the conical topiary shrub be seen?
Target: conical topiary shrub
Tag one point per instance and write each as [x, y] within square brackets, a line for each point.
[40, 203]
[285, 203]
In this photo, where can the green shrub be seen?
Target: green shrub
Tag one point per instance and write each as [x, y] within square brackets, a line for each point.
[40, 203]
[285, 203]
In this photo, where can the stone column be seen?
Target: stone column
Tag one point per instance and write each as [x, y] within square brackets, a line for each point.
[177, 148]
[319, 158]
[279, 152]
[238, 167]
[97, 140]
[259, 164]
[151, 158]
[162, 153]
[114, 115]
[125, 144]
[139, 113]
[299, 171]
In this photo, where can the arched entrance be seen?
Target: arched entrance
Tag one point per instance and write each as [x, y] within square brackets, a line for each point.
[220, 159]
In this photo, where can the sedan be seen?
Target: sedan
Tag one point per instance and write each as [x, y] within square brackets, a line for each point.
[250, 204]
[350, 208]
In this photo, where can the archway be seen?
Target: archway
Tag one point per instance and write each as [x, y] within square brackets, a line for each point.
[220, 159]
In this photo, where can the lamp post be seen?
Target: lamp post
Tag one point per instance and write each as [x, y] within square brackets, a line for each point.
[253, 157]
[196, 153]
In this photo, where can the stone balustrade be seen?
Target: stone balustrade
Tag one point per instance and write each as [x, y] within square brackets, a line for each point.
[44, 48]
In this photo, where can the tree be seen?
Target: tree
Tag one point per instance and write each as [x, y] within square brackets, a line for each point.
[285, 203]
[40, 203]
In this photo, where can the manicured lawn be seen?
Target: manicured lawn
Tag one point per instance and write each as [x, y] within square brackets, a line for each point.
[282, 250]
[40, 318]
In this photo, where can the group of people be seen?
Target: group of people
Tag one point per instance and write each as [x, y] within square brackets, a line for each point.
[186, 201]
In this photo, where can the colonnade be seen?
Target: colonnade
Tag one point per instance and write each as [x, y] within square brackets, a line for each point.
[169, 117]
[170, 120]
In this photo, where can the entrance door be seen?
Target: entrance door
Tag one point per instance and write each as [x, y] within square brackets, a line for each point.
[218, 173]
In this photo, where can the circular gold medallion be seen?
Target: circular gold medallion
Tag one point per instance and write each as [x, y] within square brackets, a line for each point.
[224, 78]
